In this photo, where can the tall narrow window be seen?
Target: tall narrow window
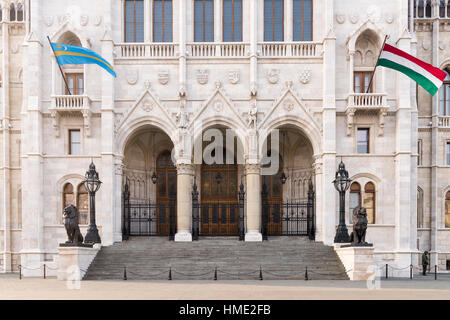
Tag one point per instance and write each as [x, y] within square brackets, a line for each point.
[363, 140]
[419, 152]
[1, 13]
[19, 12]
[447, 153]
[232, 20]
[303, 20]
[75, 82]
[361, 82]
[442, 9]
[74, 142]
[355, 196]
[273, 20]
[419, 208]
[68, 196]
[369, 201]
[12, 12]
[444, 97]
[447, 210]
[134, 20]
[162, 21]
[204, 20]
[82, 204]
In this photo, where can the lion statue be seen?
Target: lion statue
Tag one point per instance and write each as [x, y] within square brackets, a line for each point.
[358, 236]
[71, 224]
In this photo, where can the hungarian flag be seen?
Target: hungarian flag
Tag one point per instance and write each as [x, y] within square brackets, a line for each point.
[428, 77]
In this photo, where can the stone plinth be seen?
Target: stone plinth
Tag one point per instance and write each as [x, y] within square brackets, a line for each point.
[359, 260]
[73, 262]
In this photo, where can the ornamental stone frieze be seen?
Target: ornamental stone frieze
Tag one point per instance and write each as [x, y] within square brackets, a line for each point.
[252, 168]
[185, 169]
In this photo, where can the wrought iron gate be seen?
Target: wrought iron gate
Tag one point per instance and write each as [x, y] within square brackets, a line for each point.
[295, 218]
[143, 218]
[218, 219]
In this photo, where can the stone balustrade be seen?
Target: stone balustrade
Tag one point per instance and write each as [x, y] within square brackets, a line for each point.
[70, 102]
[222, 49]
[367, 100]
[289, 49]
[145, 50]
[444, 121]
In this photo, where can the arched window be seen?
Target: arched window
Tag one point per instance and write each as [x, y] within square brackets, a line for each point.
[442, 9]
[68, 195]
[1, 13]
[303, 10]
[232, 20]
[12, 12]
[273, 20]
[134, 21]
[369, 201]
[355, 196]
[444, 96]
[204, 20]
[83, 204]
[428, 9]
[19, 12]
[419, 208]
[166, 177]
[447, 209]
[162, 20]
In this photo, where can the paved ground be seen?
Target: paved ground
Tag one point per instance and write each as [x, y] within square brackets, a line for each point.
[31, 289]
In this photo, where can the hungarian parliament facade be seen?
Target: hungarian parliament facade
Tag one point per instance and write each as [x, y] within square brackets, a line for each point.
[193, 71]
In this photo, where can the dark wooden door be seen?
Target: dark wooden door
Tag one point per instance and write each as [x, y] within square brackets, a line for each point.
[166, 188]
[274, 189]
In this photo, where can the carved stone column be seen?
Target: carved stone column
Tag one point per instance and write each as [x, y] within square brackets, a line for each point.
[185, 172]
[253, 175]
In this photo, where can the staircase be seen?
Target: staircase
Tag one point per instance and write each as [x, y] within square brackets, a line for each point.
[283, 258]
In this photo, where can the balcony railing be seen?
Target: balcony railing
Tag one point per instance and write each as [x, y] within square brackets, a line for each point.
[70, 103]
[290, 49]
[145, 50]
[222, 49]
[367, 100]
[444, 121]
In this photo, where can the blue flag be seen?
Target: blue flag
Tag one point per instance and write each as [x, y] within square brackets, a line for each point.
[67, 54]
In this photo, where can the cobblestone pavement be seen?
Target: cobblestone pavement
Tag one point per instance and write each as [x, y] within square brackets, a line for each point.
[420, 288]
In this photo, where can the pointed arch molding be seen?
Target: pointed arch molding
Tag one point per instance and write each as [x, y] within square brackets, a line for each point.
[218, 105]
[364, 26]
[69, 26]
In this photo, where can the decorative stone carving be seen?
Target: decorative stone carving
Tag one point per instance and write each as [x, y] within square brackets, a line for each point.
[340, 18]
[253, 168]
[273, 75]
[305, 76]
[97, 20]
[147, 105]
[426, 44]
[253, 89]
[382, 116]
[288, 105]
[55, 122]
[389, 17]
[354, 18]
[49, 20]
[253, 116]
[14, 48]
[218, 106]
[63, 18]
[234, 76]
[182, 117]
[87, 122]
[147, 84]
[132, 77]
[358, 236]
[350, 120]
[373, 13]
[202, 76]
[84, 19]
[441, 45]
[185, 169]
[163, 76]
[71, 215]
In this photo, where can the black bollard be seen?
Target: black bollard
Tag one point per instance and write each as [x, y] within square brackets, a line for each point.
[435, 272]
[20, 272]
[260, 273]
[170, 273]
[411, 271]
[215, 274]
[306, 274]
[44, 272]
[387, 270]
[125, 273]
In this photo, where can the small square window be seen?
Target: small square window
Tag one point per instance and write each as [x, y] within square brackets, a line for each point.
[74, 142]
[363, 140]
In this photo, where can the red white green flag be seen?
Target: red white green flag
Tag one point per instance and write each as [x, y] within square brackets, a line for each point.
[428, 77]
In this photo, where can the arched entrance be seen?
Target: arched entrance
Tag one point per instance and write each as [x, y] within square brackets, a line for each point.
[288, 195]
[150, 185]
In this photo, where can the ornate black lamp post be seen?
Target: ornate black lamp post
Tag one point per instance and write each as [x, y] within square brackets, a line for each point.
[342, 183]
[92, 184]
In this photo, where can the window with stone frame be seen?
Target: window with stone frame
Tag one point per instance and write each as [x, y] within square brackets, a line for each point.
[68, 195]
[162, 21]
[75, 82]
[12, 12]
[447, 209]
[134, 20]
[19, 15]
[355, 196]
[363, 137]
[444, 96]
[447, 153]
[420, 222]
[203, 20]
[83, 204]
[232, 20]
[273, 20]
[369, 201]
[419, 152]
[361, 81]
[75, 142]
[303, 20]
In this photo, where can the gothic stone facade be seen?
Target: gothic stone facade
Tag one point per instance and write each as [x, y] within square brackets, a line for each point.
[165, 92]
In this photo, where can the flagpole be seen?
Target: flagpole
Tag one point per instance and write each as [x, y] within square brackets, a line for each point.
[62, 73]
[376, 64]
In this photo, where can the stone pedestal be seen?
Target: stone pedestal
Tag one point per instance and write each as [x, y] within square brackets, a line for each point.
[359, 260]
[73, 262]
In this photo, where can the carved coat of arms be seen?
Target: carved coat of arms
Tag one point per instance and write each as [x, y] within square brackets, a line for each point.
[132, 76]
[234, 76]
[163, 77]
[305, 76]
[273, 75]
[202, 76]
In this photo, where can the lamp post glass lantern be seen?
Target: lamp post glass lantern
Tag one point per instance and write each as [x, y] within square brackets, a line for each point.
[342, 183]
[92, 184]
